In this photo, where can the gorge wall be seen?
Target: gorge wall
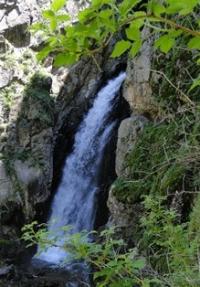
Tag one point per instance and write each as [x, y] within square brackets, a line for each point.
[41, 108]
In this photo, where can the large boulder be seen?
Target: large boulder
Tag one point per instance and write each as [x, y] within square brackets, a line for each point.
[127, 135]
[137, 90]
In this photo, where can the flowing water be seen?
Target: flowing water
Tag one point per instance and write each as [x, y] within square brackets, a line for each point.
[75, 200]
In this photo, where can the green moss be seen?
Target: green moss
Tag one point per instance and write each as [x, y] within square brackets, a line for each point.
[37, 104]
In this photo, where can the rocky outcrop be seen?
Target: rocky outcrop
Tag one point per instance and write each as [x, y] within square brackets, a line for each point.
[123, 214]
[137, 88]
[15, 17]
[26, 159]
[127, 135]
[138, 93]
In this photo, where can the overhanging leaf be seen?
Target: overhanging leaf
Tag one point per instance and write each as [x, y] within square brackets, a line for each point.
[65, 59]
[165, 43]
[132, 33]
[194, 43]
[120, 48]
[136, 47]
[44, 53]
[56, 5]
[63, 17]
[48, 14]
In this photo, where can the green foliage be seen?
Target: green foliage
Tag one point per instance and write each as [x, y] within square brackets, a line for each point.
[7, 95]
[172, 162]
[113, 263]
[171, 248]
[121, 47]
[37, 95]
[98, 24]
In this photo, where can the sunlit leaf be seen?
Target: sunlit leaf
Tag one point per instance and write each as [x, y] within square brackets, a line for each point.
[53, 24]
[48, 14]
[63, 17]
[120, 48]
[44, 53]
[156, 8]
[56, 5]
[182, 7]
[135, 47]
[132, 33]
[165, 43]
[127, 5]
[63, 59]
[194, 43]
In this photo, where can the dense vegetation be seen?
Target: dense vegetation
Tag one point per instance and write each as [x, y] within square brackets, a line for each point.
[168, 249]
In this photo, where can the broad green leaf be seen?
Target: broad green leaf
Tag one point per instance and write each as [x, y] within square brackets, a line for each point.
[99, 3]
[63, 18]
[53, 24]
[165, 43]
[86, 14]
[56, 5]
[120, 48]
[109, 23]
[194, 43]
[44, 53]
[48, 14]
[127, 5]
[136, 47]
[132, 33]
[52, 41]
[105, 14]
[182, 7]
[63, 59]
[138, 23]
[157, 8]
[174, 33]
[38, 27]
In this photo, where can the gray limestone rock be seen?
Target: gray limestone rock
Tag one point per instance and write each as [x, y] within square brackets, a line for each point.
[127, 136]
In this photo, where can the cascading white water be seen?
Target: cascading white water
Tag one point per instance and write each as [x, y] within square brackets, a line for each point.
[74, 202]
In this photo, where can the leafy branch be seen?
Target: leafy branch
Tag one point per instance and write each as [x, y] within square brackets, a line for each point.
[99, 23]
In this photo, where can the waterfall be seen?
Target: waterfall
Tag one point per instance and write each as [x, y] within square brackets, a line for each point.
[75, 200]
